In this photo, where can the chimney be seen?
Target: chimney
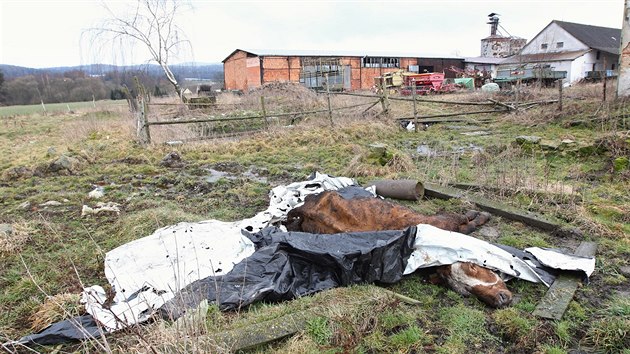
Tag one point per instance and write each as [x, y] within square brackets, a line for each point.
[493, 21]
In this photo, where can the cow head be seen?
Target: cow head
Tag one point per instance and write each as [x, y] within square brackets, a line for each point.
[294, 220]
[469, 278]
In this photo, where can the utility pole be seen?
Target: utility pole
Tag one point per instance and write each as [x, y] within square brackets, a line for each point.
[623, 83]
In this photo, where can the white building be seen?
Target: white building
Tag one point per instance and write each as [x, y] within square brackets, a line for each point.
[580, 50]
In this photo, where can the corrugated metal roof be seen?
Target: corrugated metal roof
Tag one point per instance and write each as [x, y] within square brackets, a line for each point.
[339, 53]
[483, 60]
[601, 38]
[543, 57]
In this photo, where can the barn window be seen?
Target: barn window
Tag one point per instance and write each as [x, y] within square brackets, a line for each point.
[598, 54]
[316, 71]
[559, 44]
[380, 62]
[543, 46]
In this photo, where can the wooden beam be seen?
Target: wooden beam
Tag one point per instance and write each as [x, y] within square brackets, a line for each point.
[506, 211]
[259, 333]
[420, 118]
[556, 300]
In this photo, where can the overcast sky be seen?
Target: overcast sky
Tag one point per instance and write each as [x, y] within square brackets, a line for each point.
[46, 33]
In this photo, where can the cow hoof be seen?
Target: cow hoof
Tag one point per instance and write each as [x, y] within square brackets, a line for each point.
[477, 217]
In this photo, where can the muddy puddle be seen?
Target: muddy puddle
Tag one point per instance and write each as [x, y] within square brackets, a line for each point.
[215, 175]
[425, 150]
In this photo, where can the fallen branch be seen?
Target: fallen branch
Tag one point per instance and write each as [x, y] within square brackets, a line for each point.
[508, 106]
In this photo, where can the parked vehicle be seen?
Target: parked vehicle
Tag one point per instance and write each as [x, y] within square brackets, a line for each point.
[544, 74]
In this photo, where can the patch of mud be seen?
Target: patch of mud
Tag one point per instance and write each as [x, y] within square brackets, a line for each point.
[463, 127]
[470, 148]
[251, 174]
[215, 175]
[425, 150]
[476, 133]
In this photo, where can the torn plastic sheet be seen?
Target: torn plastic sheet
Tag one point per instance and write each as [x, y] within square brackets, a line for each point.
[436, 247]
[77, 328]
[550, 258]
[147, 272]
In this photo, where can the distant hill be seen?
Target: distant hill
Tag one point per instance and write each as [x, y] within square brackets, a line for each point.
[188, 70]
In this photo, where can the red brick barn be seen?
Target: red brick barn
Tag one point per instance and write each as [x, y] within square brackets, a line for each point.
[247, 69]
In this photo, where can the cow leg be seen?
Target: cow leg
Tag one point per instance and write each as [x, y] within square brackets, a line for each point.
[474, 219]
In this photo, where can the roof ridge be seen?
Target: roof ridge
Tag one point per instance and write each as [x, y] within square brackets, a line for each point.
[584, 25]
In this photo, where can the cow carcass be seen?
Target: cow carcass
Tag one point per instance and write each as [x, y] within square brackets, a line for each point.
[329, 213]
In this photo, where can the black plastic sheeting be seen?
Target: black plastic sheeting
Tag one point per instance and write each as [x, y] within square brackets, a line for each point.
[286, 265]
[77, 328]
[293, 264]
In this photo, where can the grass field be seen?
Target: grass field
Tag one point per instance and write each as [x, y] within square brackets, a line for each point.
[576, 175]
[54, 108]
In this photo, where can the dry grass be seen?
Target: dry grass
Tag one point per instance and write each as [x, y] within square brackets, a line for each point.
[363, 164]
[56, 308]
[97, 125]
[13, 242]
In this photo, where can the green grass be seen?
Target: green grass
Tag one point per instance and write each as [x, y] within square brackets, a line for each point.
[55, 108]
[319, 330]
[354, 319]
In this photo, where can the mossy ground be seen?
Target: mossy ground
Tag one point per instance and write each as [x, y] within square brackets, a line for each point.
[63, 250]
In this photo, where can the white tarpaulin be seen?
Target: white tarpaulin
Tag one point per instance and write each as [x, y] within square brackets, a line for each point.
[436, 247]
[553, 259]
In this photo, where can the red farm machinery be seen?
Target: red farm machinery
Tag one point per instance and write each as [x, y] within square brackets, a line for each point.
[403, 83]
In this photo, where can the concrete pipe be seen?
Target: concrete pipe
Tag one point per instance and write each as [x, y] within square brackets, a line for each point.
[405, 189]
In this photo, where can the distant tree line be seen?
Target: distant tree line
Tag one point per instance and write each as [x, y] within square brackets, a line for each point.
[2, 99]
[32, 86]
[73, 86]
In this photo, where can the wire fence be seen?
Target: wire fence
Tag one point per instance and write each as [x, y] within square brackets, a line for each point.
[233, 124]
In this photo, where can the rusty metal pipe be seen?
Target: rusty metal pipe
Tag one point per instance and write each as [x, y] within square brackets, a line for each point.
[405, 189]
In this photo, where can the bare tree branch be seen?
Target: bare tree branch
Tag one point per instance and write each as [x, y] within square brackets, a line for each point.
[153, 26]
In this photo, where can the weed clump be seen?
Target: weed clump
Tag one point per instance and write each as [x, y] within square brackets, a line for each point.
[56, 308]
[14, 238]
[611, 331]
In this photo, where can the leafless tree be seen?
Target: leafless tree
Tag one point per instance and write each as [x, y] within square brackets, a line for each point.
[150, 24]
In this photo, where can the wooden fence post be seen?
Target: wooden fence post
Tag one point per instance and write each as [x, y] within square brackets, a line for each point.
[143, 128]
[264, 111]
[384, 97]
[415, 110]
[329, 105]
[604, 79]
[560, 95]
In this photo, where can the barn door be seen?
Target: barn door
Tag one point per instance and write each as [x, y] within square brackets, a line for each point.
[347, 78]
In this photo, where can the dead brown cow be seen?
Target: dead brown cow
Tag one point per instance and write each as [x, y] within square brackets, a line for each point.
[329, 213]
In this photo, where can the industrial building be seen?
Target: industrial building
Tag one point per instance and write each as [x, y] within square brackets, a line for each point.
[582, 51]
[247, 69]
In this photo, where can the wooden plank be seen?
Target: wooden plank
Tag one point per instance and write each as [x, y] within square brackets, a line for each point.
[557, 299]
[260, 333]
[453, 114]
[495, 208]
[541, 193]
[410, 99]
